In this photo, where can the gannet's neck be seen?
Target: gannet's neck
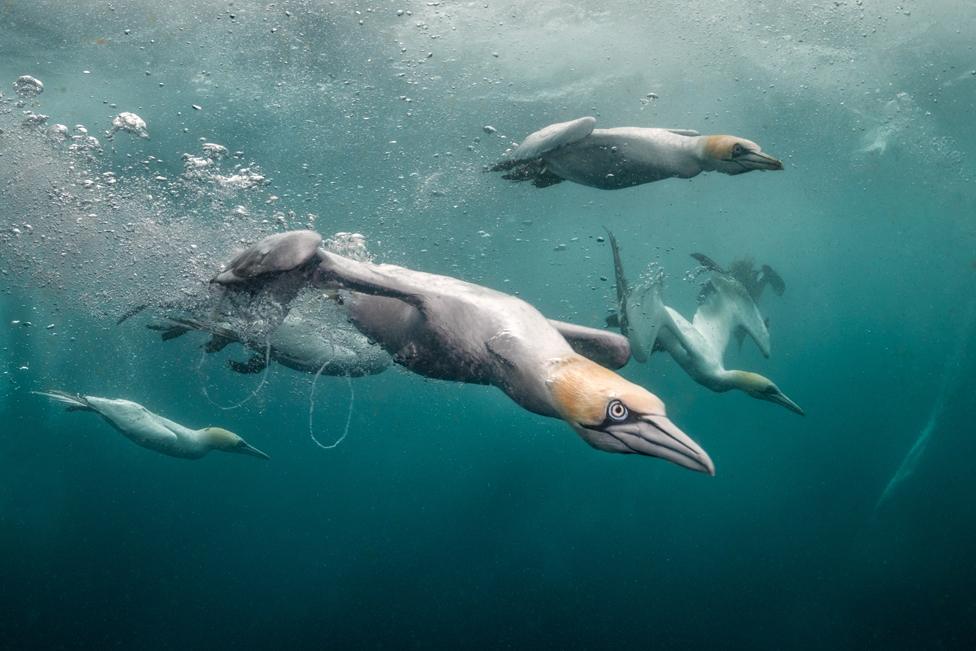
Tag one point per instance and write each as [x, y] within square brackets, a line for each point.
[700, 147]
[742, 380]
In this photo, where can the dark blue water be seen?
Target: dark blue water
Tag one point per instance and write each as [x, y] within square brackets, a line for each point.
[450, 517]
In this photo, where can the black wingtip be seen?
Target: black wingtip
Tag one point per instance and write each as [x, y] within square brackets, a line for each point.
[706, 261]
[774, 279]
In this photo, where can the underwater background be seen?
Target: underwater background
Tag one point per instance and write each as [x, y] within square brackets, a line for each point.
[450, 517]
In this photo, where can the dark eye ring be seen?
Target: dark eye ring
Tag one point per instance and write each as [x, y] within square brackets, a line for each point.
[617, 411]
[736, 149]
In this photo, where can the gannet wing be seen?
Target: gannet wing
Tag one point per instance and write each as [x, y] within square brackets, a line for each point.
[553, 137]
[603, 347]
[684, 132]
[707, 262]
[274, 254]
[726, 309]
[768, 276]
[711, 265]
[386, 280]
[679, 338]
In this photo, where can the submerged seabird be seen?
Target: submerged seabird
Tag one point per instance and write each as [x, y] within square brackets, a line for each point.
[154, 432]
[445, 328]
[622, 157]
[299, 342]
[699, 346]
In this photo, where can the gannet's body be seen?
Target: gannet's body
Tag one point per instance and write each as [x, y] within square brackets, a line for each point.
[154, 432]
[298, 343]
[445, 328]
[622, 157]
[697, 346]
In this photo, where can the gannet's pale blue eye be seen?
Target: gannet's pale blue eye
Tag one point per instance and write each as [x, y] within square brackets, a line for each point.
[616, 411]
[737, 149]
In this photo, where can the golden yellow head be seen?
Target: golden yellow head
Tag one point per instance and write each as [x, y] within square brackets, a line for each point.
[583, 391]
[734, 155]
[615, 415]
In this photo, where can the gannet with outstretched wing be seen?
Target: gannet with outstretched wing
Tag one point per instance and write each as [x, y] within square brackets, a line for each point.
[445, 328]
[697, 346]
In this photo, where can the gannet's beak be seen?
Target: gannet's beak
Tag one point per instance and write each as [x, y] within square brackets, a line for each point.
[656, 436]
[757, 160]
[246, 448]
[780, 398]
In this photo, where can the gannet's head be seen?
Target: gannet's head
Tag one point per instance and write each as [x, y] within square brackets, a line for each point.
[734, 155]
[763, 388]
[221, 439]
[615, 415]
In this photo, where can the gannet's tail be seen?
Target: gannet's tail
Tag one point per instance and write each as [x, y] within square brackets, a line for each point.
[640, 307]
[74, 402]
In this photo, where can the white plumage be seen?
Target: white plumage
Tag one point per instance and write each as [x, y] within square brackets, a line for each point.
[154, 432]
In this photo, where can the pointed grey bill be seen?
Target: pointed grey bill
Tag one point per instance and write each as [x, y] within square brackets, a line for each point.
[656, 436]
[760, 161]
[781, 399]
[246, 448]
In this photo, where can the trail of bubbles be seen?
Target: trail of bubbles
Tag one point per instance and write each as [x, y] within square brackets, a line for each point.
[311, 410]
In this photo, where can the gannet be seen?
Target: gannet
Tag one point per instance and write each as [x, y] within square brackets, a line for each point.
[699, 346]
[622, 157]
[154, 432]
[298, 343]
[445, 328]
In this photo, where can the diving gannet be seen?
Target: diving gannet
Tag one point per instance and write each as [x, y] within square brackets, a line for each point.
[300, 342]
[698, 347]
[154, 432]
[622, 157]
[445, 328]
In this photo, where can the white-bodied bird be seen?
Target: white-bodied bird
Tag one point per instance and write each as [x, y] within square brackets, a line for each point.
[154, 432]
[622, 157]
[697, 346]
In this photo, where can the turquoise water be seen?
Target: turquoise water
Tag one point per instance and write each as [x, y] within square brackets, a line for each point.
[449, 517]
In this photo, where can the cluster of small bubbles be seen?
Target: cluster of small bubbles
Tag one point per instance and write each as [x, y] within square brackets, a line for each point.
[213, 151]
[58, 133]
[692, 274]
[350, 245]
[84, 144]
[647, 99]
[204, 169]
[130, 123]
[34, 120]
[653, 273]
[28, 87]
